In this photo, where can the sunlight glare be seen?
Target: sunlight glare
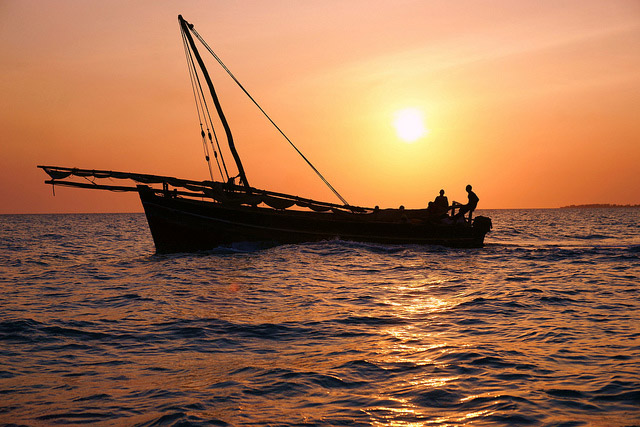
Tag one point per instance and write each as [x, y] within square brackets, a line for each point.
[409, 124]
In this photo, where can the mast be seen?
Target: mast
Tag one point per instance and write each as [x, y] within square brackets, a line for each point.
[186, 29]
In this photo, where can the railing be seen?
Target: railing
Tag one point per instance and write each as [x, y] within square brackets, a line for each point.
[456, 205]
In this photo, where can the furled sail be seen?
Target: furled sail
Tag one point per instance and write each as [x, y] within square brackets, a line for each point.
[225, 193]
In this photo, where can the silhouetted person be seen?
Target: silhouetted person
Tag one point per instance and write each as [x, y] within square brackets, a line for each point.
[471, 204]
[403, 215]
[439, 207]
[441, 204]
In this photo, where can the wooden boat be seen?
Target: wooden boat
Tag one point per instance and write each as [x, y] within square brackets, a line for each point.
[187, 215]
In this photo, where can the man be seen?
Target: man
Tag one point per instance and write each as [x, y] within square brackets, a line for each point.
[471, 204]
[441, 204]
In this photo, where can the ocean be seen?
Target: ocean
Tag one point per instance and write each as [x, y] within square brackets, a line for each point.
[541, 327]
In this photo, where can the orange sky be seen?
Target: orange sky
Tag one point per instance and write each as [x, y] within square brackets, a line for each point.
[536, 104]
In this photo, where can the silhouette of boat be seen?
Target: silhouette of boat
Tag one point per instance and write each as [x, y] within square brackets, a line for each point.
[186, 215]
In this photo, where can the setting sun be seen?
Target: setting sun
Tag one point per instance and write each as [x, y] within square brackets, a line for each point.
[409, 124]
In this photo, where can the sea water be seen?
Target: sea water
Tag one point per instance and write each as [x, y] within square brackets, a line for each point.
[541, 327]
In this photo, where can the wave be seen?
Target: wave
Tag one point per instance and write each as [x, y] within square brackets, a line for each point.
[533, 329]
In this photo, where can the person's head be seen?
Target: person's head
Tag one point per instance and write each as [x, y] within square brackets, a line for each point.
[442, 192]
[468, 188]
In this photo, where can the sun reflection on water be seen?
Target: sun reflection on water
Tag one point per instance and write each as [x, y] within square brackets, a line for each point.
[418, 347]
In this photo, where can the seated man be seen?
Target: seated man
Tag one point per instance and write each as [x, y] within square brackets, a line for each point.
[471, 204]
[440, 205]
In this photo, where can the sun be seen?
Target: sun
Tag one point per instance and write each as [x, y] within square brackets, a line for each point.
[409, 124]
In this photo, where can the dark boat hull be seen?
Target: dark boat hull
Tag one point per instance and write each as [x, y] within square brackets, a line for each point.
[187, 225]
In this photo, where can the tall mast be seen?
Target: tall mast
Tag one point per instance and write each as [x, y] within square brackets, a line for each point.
[186, 29]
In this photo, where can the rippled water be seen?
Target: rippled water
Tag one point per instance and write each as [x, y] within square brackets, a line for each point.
[541, 327]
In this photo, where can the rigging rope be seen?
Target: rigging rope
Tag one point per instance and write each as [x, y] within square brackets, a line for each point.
[201, 106]
[204, 43]
[193, 89]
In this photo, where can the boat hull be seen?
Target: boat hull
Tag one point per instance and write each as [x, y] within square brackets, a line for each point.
[186, 225]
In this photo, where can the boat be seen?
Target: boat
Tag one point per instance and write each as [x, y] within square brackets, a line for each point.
[190, 215]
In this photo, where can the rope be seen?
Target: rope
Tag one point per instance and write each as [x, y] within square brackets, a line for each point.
[204, 43]
[201, 105]
[193, 89]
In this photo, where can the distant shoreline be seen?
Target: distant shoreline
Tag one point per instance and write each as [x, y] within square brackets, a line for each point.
[599, 205]
[585, 206]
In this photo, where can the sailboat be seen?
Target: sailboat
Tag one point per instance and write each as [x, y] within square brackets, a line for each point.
[189, 215]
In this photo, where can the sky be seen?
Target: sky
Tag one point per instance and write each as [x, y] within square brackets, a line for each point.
[536, 104]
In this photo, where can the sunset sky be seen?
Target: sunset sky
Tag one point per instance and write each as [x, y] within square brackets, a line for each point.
[534, 103]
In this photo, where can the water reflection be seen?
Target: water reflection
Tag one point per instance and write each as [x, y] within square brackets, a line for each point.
[331, 333]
